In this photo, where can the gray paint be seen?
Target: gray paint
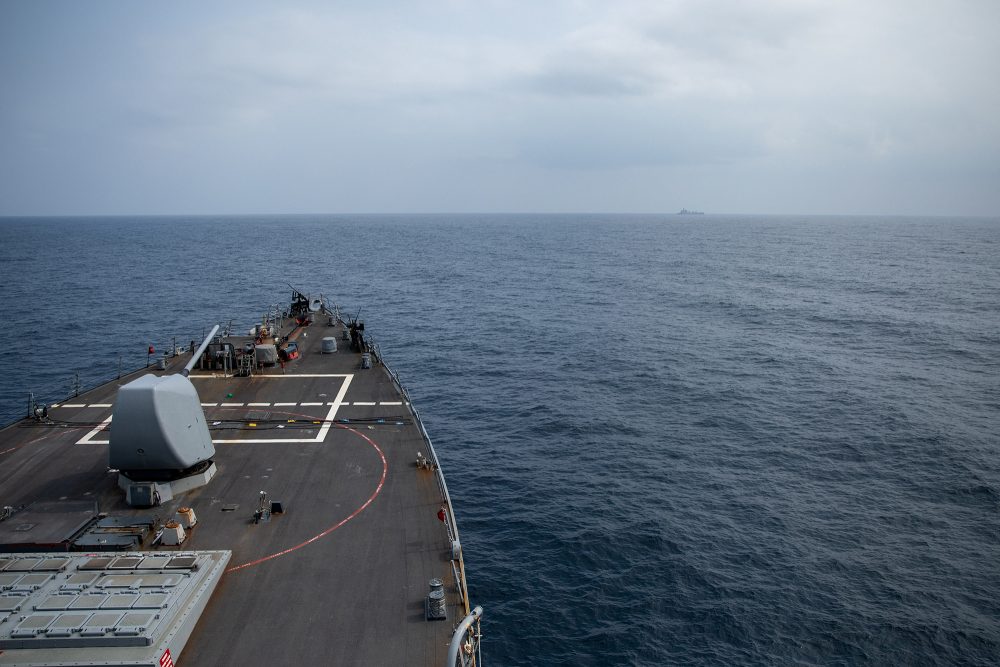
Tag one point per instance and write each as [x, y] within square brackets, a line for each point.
[158, 424]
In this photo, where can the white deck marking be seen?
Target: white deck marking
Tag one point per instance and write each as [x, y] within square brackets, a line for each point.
[231, 405]
[390, 403]
[285, 405]
[86, 440]
[328, 420]
[286, 376]
[100, 405]
[333, 408]
[74, 405]
[310, 405]
[258, 405]
[364, 402]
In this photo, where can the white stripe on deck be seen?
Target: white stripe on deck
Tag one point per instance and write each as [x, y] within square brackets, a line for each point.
[324, 429]
[327, 423]
[86, 440]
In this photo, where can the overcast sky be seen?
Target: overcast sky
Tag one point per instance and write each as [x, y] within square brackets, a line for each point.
[775, 106]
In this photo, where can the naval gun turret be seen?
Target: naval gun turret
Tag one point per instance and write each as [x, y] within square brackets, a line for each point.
[159, 441]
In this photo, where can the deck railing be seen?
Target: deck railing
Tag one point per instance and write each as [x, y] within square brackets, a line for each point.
[467, 633]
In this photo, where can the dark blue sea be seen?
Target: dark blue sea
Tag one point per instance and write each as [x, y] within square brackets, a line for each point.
[670, 440]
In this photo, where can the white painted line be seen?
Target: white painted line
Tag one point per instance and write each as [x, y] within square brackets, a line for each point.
[264, 441]
[287, 376]
[209, 405]
[364, 402]
[328, 421]
[390, 403]
[333, 408]
[100, 405]
[86, 440]
[55, 405]
[74, 405]
[284, 405]
[320, 437]
[310, 405]
[258, 405]
[231, 405]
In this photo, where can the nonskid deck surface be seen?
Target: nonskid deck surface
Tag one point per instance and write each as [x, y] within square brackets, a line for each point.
[340, 576]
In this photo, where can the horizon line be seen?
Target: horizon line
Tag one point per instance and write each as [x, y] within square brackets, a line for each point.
[6, 216]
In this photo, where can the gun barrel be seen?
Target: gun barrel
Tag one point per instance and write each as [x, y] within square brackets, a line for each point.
[201, 350]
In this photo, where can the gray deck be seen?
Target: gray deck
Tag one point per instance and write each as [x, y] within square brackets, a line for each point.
[340, 577]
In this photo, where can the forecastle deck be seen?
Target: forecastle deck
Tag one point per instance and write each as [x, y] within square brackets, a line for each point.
[339, 576]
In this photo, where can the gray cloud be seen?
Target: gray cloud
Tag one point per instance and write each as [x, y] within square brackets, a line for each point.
[809, 105]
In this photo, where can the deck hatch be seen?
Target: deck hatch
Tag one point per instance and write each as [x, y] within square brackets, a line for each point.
[120, 581]
[80, 579]
[182, 563]
[88, 601]
[99, 624]
[11, 602]
[153, 563]
[32, 626]
[151, 601]
[96, 563]
[8, 580]
[51, 565]
[124, 563]
[32, 581]
[55, 603]
[160, 580]
[66, 624]
[134, 623]
[120, 601]
[23, 564]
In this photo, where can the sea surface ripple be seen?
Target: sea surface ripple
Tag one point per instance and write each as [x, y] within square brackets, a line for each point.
[670, 441]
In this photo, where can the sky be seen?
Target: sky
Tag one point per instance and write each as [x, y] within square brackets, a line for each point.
[726, 106]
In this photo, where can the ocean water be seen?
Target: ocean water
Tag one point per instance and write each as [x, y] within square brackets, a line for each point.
[670, 440]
